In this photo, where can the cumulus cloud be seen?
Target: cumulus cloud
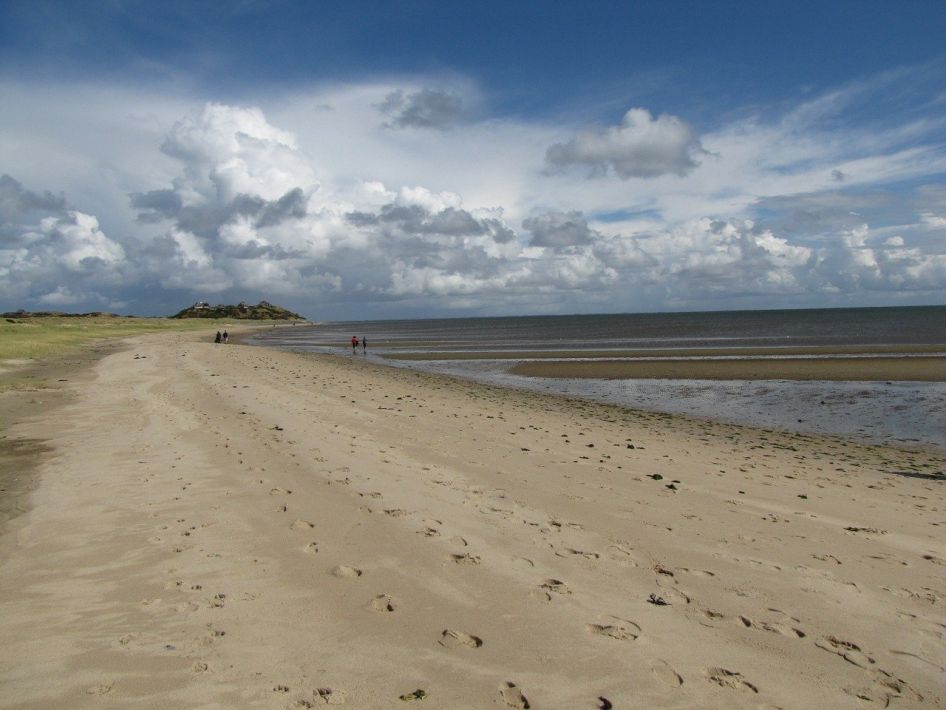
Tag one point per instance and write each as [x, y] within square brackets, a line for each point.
[641, 147]
[558, 229]
[61, 258]
[427, 108]
[17, 203]
[340, 217]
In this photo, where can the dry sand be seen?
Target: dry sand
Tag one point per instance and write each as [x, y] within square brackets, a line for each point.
[228, 526]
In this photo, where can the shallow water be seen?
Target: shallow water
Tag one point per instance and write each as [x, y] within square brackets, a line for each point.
[902, 413]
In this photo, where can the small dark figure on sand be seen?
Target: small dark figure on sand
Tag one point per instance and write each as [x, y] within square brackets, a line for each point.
[226, 337]
[354, 344]
[218, 337]
[364, 346]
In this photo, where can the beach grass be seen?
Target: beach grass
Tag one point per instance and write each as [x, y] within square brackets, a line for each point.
[30, 341]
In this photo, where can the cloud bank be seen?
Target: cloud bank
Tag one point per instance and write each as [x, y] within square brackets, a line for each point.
[440, 214]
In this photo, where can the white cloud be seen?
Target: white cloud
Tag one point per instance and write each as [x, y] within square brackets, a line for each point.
[229, 151]
[328, 210]
[558, 229]
[62, 296]
[64, 258]
[641, 147]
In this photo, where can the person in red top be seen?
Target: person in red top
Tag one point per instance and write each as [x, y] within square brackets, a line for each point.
[354, 343]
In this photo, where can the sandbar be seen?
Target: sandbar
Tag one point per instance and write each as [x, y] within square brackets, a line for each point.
[883, 369]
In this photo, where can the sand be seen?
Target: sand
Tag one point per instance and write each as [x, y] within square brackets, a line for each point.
[839, 369]
[229, 526]
[916, 363]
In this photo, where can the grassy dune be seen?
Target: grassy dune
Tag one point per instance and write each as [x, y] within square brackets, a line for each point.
[27, 342]
[40, 338]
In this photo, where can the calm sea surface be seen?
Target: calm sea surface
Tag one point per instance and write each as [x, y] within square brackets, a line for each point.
[912, 413]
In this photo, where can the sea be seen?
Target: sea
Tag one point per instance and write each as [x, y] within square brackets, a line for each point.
[909, 414]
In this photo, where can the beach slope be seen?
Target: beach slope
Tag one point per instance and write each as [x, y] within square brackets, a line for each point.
[241, 527]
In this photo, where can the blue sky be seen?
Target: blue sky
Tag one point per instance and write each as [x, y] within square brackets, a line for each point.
[433, 158]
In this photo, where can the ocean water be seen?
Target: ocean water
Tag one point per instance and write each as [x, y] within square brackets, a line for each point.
[902, 413]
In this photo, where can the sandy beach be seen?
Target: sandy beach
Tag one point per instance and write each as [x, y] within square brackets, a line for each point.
[233, 526]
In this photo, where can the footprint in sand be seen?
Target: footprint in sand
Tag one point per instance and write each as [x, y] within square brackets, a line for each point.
[774, 627]
[551, 586]
[458, 639]
[279, 492]
[697, 572]
[571, 552]
[890, 688]
[302, 525]
[624, 554]
[212, 636]
[729, 679]
[512, 696]
[383, 603]
[311, 549]
[665, 673]
[847, 650]
[346, 572]
[464, 559]
[102, 689]
[329, 696]
[674, 596]
[621, 630]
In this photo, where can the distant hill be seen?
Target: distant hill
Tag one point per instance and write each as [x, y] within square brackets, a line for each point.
[261, 311]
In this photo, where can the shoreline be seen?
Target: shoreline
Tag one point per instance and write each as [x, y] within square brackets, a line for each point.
[918, 363]
[250, 526]
[875, 394]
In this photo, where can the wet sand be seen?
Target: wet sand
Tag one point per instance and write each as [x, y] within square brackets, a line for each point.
[235, 526]
[865, 369]
[28, 392]
[925, 363]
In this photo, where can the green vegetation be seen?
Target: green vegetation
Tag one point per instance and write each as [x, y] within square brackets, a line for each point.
[34, 338]
[261, 311]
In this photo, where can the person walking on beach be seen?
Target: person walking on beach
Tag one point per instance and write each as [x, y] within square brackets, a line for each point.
[218, 337]
[354, 344]
[364, 346]
[226, 337]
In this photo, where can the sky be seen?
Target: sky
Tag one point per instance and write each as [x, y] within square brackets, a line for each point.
[373, 160]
